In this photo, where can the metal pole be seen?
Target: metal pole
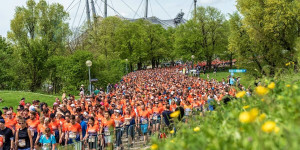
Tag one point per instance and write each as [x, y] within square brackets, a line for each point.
[193, 63]
[90, 81]
[146, 9]
[195, 8]
[126, 68]
[88, 11]
[93, 10]
[105, 9]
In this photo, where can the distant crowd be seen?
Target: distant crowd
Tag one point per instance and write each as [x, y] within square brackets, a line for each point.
[140, 104]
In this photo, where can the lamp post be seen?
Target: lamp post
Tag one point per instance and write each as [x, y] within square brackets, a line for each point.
[192, 61]
[126, 66]
[89, 64]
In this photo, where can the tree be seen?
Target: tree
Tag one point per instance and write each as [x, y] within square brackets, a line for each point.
[39, 31]
[204, 35]
[6, 64]
[274, 27]
[155, 43]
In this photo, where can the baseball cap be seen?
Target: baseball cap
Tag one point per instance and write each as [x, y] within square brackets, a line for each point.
[72, 105]
[31, 108]
[2, 121]
[5, 108]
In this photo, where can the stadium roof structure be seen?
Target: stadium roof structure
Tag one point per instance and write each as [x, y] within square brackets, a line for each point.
[164, 23]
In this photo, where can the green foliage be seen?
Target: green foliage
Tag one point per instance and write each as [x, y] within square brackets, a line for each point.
[6, 63]
[221, 129]
[269, 30]
[204, 36]
[39, 31]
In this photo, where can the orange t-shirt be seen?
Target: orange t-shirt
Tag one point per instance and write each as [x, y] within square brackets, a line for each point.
[10, 123]
[1, 141]
[64, 126]
[108, 123]
[74, 128]
[54, 125]
[173, 107]
[41, 128]
[33, 124]
[157, 110]
[92, 130]
[144, 114]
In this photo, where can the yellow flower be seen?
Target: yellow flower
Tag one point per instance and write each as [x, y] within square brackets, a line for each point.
[262, 100]
[154, 146]
[271, 85]
[241, 94]
[245, 117]
[254, 112]
[196, 129]
[288, 85]
[172, 131]
[268, 126]
[287, 64]
[175, 114]
[260, 90]
[245, 107]
[262, 117]
[277, 129]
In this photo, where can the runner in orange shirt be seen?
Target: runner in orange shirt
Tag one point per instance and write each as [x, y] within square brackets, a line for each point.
[119, 123]
[10, 122]
[107, 125]
[143, 119]
[73, 131]
[91, 133]
[54, 125]
[156, 117]
[33, 123]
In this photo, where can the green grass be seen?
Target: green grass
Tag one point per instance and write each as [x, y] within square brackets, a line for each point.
[12, 98]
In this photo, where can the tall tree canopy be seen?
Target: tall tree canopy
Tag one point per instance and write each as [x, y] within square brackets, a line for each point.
[38, 31]
[273, 28]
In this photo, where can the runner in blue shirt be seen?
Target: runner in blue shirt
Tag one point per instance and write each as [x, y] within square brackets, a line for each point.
[48, 140]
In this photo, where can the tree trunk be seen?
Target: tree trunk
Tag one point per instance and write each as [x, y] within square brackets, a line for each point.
[231, 58]
[153, 62]
[131, 67]
[140, 65]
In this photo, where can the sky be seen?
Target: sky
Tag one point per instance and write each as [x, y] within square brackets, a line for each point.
[163, 9]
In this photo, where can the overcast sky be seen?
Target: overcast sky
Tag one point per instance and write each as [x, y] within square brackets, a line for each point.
[163, 9]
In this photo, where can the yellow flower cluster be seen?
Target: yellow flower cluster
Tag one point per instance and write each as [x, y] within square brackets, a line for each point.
[289, 63]
[248, 116]
[196, 129]
[270, 126]
[172, 131]
[154, 147]
[241, 94]
[245, 107]
[260, 90]
[271, 85]
[175, 114]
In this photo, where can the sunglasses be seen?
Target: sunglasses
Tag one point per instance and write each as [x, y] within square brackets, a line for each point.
[21, 123]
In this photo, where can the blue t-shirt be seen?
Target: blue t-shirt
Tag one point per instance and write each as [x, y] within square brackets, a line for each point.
[47, 142]
[231, 81]
[210, 105]
[83, 127]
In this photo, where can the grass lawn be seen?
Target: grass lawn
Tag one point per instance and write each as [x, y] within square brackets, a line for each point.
[12, 98]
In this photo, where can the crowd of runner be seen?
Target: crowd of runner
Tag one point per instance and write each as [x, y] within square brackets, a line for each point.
[140, 104]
